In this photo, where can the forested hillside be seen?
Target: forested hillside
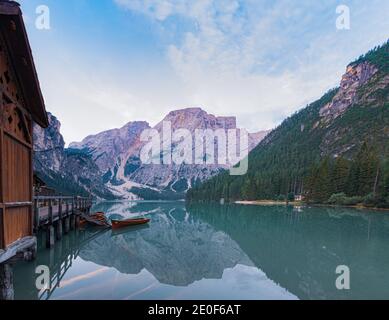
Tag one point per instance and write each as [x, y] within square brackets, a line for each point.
[334, 149]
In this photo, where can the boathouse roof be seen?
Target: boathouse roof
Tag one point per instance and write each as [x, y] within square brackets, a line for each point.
[15, 37]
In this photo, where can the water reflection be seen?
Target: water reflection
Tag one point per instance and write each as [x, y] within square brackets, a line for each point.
[300, 249]
[218, 252]
[60, 260]
[177, 248]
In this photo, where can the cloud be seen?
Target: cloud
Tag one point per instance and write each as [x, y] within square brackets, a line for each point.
[158, 9]
[261, 60]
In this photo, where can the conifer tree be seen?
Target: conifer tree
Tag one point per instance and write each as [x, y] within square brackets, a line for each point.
[340, 174]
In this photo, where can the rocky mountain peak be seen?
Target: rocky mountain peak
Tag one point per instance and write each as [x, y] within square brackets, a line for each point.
[49, 144]
[197, 118]
[67, 172]
[135, 124]
[356, 76]
[48, 139]
[117, 154]
[107, 146]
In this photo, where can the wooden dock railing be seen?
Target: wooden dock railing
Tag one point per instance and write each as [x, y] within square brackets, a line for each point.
[58, 214]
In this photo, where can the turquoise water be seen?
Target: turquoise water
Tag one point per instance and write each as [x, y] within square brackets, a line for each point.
[218, 252]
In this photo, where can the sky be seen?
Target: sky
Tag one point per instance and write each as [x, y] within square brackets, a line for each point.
[104, 63]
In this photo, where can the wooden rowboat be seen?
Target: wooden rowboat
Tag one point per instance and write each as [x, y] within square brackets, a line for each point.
[116, 224]
[96, 219]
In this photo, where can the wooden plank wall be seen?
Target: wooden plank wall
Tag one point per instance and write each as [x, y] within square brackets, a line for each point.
[16, 220]
[2, 176]
[16, 216]
[17, 171]
[2, 240]
[16, 224]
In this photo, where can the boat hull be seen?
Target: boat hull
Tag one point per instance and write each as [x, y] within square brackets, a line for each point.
[117, 224]
[96, 219]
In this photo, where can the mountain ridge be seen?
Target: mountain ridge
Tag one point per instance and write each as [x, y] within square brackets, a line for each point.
[334, 126]
[112, 158]
[66, 171]
[126, 173]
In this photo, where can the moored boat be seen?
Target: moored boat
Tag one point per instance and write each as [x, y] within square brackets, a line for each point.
[97, 218]
[116, 224]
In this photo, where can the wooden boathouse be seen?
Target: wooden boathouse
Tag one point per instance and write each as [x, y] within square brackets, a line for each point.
[21, 103]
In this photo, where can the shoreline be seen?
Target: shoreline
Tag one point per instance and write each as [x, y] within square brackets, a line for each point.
[269, 203]
[301, 204]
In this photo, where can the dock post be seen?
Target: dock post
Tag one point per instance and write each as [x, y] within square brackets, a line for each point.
[51, 212]
[67, 225]
[58, 226]
[60, 221]
[72, 222]
[77, 221]
[67, 208]
[60, 213]
[6, 282]
[50, 237]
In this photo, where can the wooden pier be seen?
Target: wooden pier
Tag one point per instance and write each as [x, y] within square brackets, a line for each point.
[58, 215]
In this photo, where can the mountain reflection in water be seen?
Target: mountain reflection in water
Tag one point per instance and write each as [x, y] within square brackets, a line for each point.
[218, 252]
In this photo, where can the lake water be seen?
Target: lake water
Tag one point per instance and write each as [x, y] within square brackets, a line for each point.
[218, 252]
